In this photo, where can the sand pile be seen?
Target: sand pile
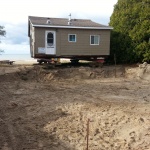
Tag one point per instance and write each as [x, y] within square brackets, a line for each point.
[142, 72]
[42, 73]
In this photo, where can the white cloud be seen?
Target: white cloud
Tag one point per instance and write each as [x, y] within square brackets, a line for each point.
[16, 33]
[17, 11]
[16, 39]
[15, 48]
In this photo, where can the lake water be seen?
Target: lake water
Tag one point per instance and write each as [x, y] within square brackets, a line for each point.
[16, 57]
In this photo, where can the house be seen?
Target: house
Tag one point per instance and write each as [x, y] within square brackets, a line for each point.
[68, 38]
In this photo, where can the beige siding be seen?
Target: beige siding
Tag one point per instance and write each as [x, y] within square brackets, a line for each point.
[80, 47]
[39, 38]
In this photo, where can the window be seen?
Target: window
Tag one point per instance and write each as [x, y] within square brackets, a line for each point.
[72, 37]
[94, 39]
[50, 39]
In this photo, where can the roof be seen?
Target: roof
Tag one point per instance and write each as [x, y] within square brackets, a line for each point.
[63, 23]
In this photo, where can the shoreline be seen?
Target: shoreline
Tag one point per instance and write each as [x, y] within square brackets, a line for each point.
[22, 62]
[29, 61]
[33, 61]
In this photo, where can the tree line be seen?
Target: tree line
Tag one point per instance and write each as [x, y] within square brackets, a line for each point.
[130, 38]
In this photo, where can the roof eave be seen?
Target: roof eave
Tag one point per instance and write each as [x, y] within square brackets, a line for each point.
[71, 27]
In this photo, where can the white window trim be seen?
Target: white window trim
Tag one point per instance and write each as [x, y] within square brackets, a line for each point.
[75, 38]
[98, 39]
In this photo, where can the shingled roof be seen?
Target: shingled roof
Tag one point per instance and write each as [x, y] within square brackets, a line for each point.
[63, 22]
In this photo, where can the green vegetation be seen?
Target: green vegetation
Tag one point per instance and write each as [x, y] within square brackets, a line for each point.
[130, 39]
[2, 33]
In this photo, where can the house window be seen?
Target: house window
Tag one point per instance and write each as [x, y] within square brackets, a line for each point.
[72, 37]
[94, 39]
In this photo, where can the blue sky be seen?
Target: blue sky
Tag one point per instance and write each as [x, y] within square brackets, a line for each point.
[14, 16]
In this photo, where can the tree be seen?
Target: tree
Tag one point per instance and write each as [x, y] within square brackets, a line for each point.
[131, 34]
[2, 33]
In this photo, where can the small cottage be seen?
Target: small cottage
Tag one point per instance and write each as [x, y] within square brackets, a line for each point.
[68, 38]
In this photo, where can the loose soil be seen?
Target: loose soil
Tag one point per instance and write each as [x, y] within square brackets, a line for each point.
[46, 108]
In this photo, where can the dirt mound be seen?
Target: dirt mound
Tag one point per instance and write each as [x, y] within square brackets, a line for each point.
[43, 74]
[89, 73]
[142, 72]
[40, 73]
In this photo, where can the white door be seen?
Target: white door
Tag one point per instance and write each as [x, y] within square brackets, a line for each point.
[50, 42]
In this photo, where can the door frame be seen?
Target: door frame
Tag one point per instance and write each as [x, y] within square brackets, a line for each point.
[50, 49]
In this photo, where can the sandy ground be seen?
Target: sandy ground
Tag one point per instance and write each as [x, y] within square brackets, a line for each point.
[46, 108]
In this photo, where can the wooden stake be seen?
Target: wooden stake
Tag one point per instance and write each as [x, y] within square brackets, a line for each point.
[88, 134]
[115, 63]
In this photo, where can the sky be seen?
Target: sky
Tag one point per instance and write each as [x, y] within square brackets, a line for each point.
[14, 17]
